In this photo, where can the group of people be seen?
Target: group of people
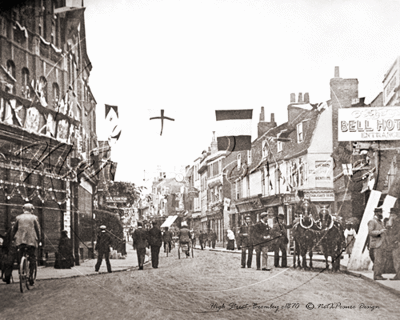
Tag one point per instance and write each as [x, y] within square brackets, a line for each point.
[207, 238]
[154, 238]
[263, 238]
[384, 242]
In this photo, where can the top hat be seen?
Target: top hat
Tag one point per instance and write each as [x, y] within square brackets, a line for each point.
[378, 210]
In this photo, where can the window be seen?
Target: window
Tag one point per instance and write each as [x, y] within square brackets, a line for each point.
[25, 89]
[300, 132]
[56, 94]
[42, 90]
[11, 68]
[279, 146]
[264, 149]
[239, 160]
[248, 157]
[215, 168]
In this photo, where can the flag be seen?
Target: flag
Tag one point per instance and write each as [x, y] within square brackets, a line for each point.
[112, 120]
[74, 18]
[234, 129]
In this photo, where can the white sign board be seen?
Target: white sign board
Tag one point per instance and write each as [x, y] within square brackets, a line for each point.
[369, 124]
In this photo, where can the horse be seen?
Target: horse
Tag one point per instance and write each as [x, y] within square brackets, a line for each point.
[305, 233]
[332, 239]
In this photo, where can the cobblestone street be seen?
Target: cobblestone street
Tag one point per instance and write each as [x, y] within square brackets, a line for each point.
[210, 286]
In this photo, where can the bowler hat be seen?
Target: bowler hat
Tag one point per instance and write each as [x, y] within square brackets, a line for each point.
[140, 224]
[378, 210]
[395, 210]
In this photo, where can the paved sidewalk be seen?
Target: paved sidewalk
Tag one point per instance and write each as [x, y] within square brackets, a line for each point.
[393, 286]
[87, 267]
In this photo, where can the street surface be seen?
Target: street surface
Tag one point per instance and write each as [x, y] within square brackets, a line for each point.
[210, 286]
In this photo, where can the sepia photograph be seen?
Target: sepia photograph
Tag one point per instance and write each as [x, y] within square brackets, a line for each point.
[199, 159]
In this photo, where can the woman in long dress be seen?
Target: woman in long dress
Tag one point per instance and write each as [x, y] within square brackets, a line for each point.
[350, 236]
[231, 240]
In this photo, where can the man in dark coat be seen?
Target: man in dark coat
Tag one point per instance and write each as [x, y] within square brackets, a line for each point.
[261, 240]
[201, 239]
[213, 238]
[393, 240]
[155, 241]
[279, 231]
[246, 242]
[184, 236]
[9, 254]
[103, 248]
[139, 237]
[167, 238]
[376, 250]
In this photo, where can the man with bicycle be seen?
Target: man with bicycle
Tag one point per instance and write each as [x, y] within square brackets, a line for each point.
[26, 232]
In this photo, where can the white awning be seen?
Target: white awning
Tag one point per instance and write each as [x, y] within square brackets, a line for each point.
[170, 220]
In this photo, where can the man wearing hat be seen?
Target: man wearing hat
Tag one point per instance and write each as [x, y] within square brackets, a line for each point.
[103, 244]
[393, 238]
[246, 241]
[184, 236]
[26, 232]
[279, 231]
[376, 250]
[155, 241]
[139, 238]
[262, 241]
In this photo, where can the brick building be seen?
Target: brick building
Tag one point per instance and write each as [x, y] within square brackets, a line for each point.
[47, 121]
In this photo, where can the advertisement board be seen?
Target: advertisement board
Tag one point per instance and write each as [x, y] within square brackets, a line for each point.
[369, 124]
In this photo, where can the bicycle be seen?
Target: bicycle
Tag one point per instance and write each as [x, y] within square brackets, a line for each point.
[24, 276]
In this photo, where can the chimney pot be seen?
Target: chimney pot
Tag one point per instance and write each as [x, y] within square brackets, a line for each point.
[300, 97]
[272, 117]
[292, 98]
[337, 72]
[262, 117]
[306, 97]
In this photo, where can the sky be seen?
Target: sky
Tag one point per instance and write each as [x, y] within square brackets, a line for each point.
[192, 57]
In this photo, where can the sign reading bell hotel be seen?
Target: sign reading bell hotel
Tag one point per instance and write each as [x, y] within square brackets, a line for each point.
[366, 124]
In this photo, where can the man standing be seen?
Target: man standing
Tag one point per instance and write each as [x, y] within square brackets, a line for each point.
[103, 244]
[376, 250]
[155, 241]
[27, 234]
[279, 231]
[246, 242]
[201, 239]
[262, 241]
[139, 237]
[213, 238]
[184, 236]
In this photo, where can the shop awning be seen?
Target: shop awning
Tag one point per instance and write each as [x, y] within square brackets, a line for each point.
[170, 220]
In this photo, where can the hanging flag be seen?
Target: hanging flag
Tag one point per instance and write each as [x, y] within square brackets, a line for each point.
[112, 120]
[234, 129]
[347, 169]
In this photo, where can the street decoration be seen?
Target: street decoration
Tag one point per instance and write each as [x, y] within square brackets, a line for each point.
[162, 117]
[234, 129]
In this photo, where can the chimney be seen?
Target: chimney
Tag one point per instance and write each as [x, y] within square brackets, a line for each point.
[264, 126]
[300, 98]
[214, 144]
[306, 97]
[337, 72]
[292, 98]
[262, 117]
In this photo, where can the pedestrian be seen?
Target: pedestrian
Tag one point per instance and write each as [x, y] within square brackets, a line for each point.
[350, 237]
[213, 238]
[103, 244]
[279, 233]
[208, 239]
[246, 242]
[139, 238]
[231, 240]
[262, 241]
[201, 239]
[27, 234]
[376, 231]
[155, 242]
[193, 235]
[184, 237]
[167, 238]
[64, 257]
[9, 254]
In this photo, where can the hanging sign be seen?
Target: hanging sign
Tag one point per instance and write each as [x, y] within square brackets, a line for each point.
[369, 124]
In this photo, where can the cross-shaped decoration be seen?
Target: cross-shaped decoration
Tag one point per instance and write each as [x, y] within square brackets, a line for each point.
[162, 120]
